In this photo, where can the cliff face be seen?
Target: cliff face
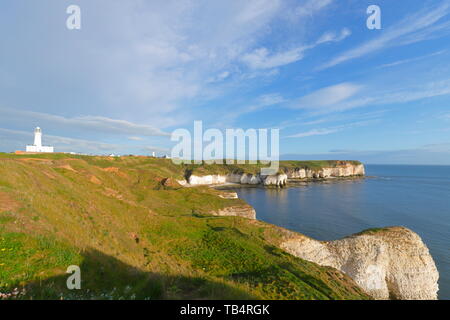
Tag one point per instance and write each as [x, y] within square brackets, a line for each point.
[390, 263]
[279, 180]
[244, 211]
[340, 169]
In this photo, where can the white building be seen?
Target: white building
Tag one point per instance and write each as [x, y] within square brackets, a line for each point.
[37, 146]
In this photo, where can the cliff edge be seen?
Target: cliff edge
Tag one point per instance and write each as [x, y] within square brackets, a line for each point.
[388, 263]
[249, 174]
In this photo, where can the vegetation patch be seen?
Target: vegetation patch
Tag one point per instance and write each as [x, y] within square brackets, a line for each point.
[139, 235]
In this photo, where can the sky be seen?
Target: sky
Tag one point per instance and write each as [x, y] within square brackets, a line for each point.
[139, 69]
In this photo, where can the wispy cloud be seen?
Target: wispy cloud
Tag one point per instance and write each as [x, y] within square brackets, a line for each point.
[346, 96]
[62, 144]
[261, 102]
[327, 96]
[404, 61]
[67, 144]
[330, 130]
[310, 7]
[91, 123]
[314, 120]
[333, 36]
[396, 96]
[135, 138]
[314, 132]
[413, 28]
[437, 154]
[262, 58]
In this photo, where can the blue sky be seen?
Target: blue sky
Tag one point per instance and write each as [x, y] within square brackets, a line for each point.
[138, 69]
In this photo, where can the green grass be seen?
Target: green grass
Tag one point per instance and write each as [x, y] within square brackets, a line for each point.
[24, 258]
[133, 238]
[373, 231]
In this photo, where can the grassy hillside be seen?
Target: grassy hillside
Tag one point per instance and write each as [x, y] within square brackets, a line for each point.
[136, 234]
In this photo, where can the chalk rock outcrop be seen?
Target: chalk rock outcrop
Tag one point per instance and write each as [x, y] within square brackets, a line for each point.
[207, 180]
[388, 263]
[278, 180]
[342, 169]
[228, 195]
[245, 211]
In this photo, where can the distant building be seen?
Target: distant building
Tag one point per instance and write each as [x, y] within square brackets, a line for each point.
[37, 146]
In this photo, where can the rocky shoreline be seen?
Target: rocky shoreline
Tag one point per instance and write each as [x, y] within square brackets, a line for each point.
[387, 263]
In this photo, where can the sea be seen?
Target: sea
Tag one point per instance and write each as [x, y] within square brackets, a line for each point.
[417, 197]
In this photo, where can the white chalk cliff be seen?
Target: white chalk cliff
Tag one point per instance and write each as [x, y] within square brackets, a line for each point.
[342, 169]
[279, 180]
[389, 263]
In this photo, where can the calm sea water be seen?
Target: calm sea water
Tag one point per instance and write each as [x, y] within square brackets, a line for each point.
[417, 197]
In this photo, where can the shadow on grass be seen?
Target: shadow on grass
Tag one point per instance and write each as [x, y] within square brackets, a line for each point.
[105, 277]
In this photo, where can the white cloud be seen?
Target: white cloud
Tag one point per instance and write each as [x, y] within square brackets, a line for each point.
[326, 131]
[413, 28]
[310, 7]
[313, 119]
[437, 147]
[404, 61]
[397, 96]
[61, 144]
[314, 132]
[419, 155]
[91, 123]
[18, 139]
[220, 77]
[346, 96]
[261, 58]
[326, 97]
[151, 57]
[333, 37]
[261, 102]
[135, 138]
[270, 99]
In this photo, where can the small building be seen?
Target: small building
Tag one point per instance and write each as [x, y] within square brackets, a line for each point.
[37, 146]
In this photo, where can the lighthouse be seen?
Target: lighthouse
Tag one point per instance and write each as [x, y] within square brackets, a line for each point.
[37, 146]
[38, 137]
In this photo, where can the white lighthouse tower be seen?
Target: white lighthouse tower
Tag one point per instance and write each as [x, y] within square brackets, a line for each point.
[38, 137]
[37, 146]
